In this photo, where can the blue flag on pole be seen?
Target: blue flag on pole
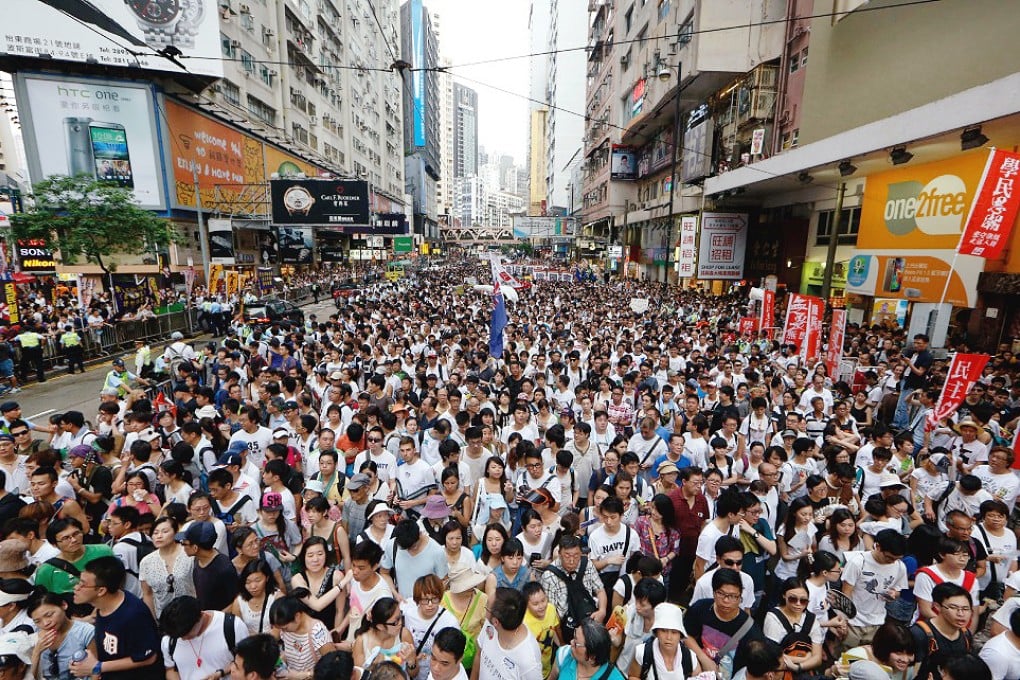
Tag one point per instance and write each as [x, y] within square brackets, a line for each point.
[499, 318]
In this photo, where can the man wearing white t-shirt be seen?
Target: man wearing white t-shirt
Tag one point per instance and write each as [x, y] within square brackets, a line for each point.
[506, 648]
[612, 543]
[195, 642]
[729, 513]
[385, 462]
[870, 581]
[255, 437]
[729, 555]
[997, 477]
[415, 480]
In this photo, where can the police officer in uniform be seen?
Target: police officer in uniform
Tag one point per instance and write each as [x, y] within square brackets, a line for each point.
[73, 349]
[31, 343]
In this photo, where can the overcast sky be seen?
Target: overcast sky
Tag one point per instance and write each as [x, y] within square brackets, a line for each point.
[473, 30]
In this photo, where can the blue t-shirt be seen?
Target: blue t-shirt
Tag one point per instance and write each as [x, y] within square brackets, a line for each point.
[431, 560]
[129, 633]
[568, 667]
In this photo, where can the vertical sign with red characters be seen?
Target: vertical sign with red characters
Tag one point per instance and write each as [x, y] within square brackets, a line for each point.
[747, 325]
[994, 209]
[964, 371]
[768, 310]
[837, 333]
[812, 345]
[795, 327]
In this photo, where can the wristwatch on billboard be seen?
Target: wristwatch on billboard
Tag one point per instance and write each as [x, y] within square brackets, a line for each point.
[168, 22]
[298, 200]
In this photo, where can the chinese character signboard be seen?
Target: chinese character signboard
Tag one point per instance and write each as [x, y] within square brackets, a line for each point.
[723, 242]
[688, 246]
[837, 333]
[964, 370]
[768, 309]
[747, 325]
[813, 338]
[994, 209]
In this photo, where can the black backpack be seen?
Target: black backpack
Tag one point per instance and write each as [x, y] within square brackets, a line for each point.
[580, 603]
[143, 547]
[648, 661]
[228, 633]
[796, 644]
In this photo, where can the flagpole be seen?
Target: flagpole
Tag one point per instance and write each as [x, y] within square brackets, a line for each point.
[956, 251]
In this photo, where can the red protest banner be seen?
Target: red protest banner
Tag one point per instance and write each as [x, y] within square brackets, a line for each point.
[964, 371]
[768, 309]
[747, 325]
[795, 326]
[994, 209]
[813, 337]
[837, 333]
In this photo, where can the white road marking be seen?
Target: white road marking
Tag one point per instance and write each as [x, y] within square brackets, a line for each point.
[43, 413]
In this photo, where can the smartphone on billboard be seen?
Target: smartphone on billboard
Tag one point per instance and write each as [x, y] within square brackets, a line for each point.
[79, 147]
[110, 153]
[894, 274]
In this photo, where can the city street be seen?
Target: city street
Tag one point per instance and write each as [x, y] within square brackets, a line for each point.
[80, 392]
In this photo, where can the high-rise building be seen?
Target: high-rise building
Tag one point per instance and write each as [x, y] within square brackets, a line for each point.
[422, 137]
[565, 95]
[465, 131]
[445, 185]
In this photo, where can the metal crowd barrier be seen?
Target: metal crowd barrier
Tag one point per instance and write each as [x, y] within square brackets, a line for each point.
[109, 340]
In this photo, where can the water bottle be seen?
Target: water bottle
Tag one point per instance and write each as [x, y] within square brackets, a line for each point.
[78, 657]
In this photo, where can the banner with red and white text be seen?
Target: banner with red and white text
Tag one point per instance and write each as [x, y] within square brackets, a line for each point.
[994, 209]
[813, 338]
[768, 309]
[804, 324]
[964, 371]
[747, 325]
[837, 333]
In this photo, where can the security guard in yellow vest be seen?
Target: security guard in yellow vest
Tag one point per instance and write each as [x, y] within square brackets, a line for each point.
[31, 343]
[74, 351]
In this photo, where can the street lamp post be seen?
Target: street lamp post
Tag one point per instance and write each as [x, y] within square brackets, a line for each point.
[664, 74]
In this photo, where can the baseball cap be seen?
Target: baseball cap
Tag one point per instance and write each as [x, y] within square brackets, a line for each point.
[202, 534]
[177, 335]
[790, 433]
[237, 447]
[357, 481]
[8, 406]
[272, 500]
[228, 459]
[336, 375]
[281, 432]
[288, 405]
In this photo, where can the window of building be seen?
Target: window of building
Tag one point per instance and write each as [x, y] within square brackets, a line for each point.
[663, 9]
[849, 226]
[247, 61]
[803, 57]
[247, 22]
[795, 62]
[795, 137]
[786, 140]
[261, 111]
[628, 19]
[229, 51]
[230, 92]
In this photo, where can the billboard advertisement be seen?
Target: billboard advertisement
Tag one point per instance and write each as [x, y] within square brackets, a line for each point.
[220, 154]
[322, 202]
[623, 163]
[916, 276]
[921, 207]
[102, 128]
[221, 242]
[418, 75]
[125, 33]
[696, 157]
[296, 244]
[723, 242]
[330, 250]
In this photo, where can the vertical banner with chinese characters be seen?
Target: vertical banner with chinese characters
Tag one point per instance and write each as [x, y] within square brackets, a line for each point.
[837, 333]
[9, 307]
[964, 370]
[768, 310]
[722, 247]
[688, 246]
[813, 337]
[747, 325]
[994, 209]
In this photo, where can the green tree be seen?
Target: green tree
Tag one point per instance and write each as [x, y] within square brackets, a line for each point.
[83, 218]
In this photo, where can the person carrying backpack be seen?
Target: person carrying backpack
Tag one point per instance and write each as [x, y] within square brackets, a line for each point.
[796, 630]
[665, 656]
[129, 544]
[199, 644]
[946, 634]
[574, 587]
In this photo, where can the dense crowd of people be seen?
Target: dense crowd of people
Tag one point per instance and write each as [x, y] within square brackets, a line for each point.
[618, 494]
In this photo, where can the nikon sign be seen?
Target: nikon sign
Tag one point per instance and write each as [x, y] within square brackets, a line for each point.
[35, 257]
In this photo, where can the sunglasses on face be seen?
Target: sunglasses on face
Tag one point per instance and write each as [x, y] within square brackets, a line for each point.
[793, 599]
